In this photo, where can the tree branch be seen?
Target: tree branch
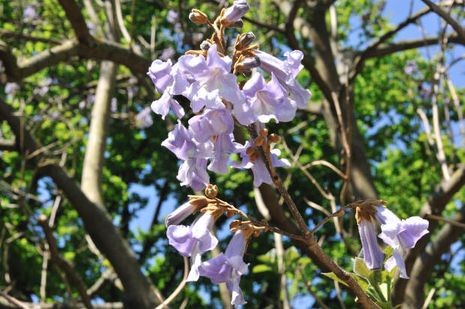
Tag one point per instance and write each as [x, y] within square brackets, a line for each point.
[91, 181]
[409, 44]
[75, 17]
[74, 279]
[98, 50]
[97, 221]
[446, 16]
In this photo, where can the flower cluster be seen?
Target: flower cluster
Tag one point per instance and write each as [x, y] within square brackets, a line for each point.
[206, 81]
[398, 234]
[194, 240]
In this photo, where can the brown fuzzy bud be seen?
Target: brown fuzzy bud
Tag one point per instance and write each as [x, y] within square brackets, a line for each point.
[211, 191]
[259, 141]
[254, 156]
[234, 224]
[198, 17]
[274, 138]
[244, 40]
[249, 151]
[246, 65]
[198, 201]
[264, 132]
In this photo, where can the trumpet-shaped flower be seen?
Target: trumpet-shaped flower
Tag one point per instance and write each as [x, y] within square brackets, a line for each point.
[268, 100]
[286, 72]
[168, 79]
[212, 78]
[400, 235]
[229, 267]
[258, 166]
[235, 12]
[372, 254]
[180, 214]
[193, 240]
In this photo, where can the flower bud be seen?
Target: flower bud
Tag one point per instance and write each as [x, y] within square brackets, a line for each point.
[180, 213]
[235, 12]
[244, 40]
[246, 65]
[237, 24]
[274, 138]
[198, 17]
[205, 45]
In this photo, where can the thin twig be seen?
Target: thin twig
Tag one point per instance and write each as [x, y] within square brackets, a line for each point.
[178, 290]
[451, 222]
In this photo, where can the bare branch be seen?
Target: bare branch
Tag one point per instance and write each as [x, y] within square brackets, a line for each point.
[410, 44]
[178, 290]
[446, 16]
[97, 221]
[74, 15]
[91, 181]
[74, 279]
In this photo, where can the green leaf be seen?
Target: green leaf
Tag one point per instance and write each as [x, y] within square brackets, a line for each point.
[360, 268]
[334, 277]
[261, 268]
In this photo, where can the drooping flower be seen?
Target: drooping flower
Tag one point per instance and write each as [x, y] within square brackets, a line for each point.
[192, 171]
[400, 235]
[194, 204]
[193, 240]
[258, 166]
[372, 254]
[211, 123]
[268, 100]
[229, 267]
[168, 79]
[286, 72]
[213, 75]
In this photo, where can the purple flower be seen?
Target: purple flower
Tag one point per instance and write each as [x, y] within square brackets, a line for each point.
[268, 100]
[211, 123]
[180, 142]
[235, 12]
[144, 118]
[193, 240]
[214, 76]
[411, 67]
[223, 148]
[192, 171]
[159, 73]
[372, 254]
[29, 13]
[180, 213]
[11, 88]
[258, 166]
[229, 267]
[168, 79]
[400, 235]
[286, 72]
[172, 16]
